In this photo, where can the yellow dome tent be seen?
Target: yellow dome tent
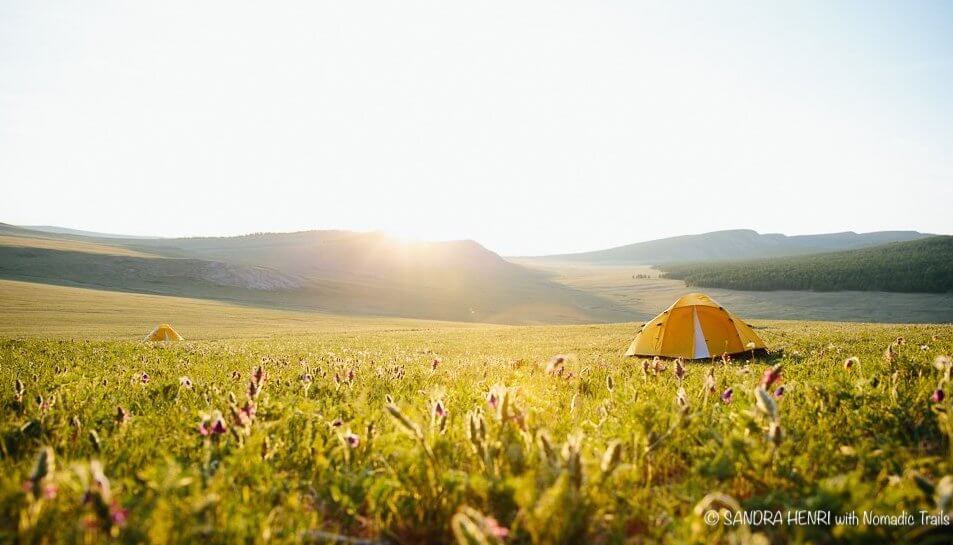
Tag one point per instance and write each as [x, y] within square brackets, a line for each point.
[694, 327]
[163, 332]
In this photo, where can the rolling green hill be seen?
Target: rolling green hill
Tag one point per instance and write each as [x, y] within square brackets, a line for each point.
[733, 244]
[919, 266]
[327, 271]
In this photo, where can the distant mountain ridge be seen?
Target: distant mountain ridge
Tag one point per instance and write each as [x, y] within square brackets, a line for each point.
[734, 244]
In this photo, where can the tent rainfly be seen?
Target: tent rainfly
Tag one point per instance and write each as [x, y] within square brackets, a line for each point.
[694, 327]
[163, 332]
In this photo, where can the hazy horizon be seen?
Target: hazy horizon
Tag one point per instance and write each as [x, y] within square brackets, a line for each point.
[533, 128]
[250, 233]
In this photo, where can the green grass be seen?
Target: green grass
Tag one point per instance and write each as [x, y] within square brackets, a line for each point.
[852, 440]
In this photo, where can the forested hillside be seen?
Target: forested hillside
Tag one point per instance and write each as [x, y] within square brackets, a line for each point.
[917, 266]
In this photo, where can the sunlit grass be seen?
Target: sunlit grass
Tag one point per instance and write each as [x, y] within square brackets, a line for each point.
[422, 435]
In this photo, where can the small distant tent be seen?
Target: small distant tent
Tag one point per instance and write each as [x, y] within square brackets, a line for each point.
[694, 327]
[163, 332]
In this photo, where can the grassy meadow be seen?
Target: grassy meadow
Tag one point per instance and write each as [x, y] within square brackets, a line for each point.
[343, 430]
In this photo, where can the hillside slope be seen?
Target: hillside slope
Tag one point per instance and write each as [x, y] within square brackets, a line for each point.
[733, 244]
[328, 271]
[919, 266]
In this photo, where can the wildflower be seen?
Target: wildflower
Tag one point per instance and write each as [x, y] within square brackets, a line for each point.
[337, 423]
[890, 355]
[439, 410]
[185, 382]
[245, 415]
[99, 495]
[350, 375]
[924, 348]
[938, 396]
[901, 341]
[935, 338]
[555, 365]
[609, 383]
[495, 530]
[850, 362]
[439, 417]
[727, 395]
[236, 375]
[779, 392]
[119, 515]
[726, 358]
[679, 369]
[122, 415]
[646, 367]
[492, 399]
[212, 425]
[657, 365]
[257, 382]
[771, 375]
[681, 398]
[942, 363]
[434, 364]
[765, 403]
[389, 399]
[144, 378]
[352, 439]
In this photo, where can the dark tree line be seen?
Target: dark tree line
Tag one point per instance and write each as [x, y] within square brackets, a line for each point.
[924, 266]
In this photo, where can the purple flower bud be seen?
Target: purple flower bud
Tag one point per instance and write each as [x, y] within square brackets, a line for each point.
[218, 427]
[938, 396]
[352, 439]
[770, 376]
[118, 514]
[727, 395]
[779, 392]
[214, 425]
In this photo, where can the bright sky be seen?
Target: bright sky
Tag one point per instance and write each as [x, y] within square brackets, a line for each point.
[531, 127]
